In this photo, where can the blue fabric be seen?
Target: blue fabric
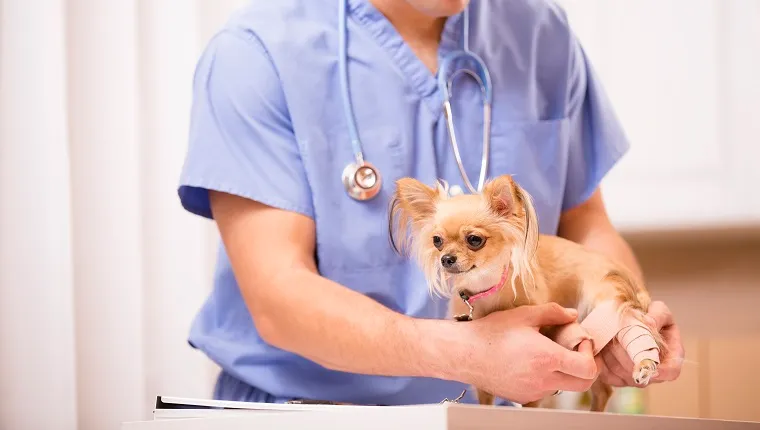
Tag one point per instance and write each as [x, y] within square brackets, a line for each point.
[268, 124]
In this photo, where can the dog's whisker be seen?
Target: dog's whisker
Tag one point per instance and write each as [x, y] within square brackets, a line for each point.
[684, 361]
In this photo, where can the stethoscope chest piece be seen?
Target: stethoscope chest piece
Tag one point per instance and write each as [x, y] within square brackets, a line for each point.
[362, 180]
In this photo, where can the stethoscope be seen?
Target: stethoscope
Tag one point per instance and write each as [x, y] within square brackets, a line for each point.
[360, 177]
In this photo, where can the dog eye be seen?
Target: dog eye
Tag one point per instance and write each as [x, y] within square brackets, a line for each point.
[475, 242]
[437, 242]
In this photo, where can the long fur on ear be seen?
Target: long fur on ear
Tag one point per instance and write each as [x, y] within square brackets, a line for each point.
[523, 260]
[411, 205]
[531, 220]
[507, 199]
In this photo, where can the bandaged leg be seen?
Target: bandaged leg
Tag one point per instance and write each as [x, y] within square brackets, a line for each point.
[603, 324]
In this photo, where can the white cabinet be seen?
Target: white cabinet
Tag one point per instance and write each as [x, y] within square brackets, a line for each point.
[684, 77]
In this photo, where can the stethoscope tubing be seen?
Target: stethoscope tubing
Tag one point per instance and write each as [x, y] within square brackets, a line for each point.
[473, 66]
[343, 70]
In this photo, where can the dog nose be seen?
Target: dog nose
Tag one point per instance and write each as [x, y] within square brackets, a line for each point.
[448, 260]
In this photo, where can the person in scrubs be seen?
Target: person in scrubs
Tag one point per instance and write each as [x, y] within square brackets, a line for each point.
[310, 301]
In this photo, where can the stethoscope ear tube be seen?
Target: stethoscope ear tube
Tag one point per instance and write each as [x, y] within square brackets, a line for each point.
[455, 147]
[457, 62]
[361, 179]
[451, 66]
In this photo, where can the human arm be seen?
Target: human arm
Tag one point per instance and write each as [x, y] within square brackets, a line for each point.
[296, 309]
[597, 141]
[244, 170]
[589, 225]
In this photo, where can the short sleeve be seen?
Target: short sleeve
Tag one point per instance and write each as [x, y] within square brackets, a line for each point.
[597, 138]
[241, 140]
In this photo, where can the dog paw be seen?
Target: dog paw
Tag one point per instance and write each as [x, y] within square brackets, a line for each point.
[644, 372]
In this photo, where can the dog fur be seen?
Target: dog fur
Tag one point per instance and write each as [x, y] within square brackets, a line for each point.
[427, 223]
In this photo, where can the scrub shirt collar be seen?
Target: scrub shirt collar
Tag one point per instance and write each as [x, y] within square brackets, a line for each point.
[418, 75]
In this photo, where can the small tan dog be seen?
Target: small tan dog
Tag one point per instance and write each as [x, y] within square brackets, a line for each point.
[473, 245]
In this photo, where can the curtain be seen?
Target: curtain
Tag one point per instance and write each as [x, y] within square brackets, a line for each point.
[101, 271]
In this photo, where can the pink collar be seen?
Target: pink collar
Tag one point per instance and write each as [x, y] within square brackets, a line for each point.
[488, 292]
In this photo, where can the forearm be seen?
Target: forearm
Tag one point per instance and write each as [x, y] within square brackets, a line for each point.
[590, 226]
[297, 310]
[609, 242]
[343, 330]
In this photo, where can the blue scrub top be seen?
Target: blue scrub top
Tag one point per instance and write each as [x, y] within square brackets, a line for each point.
[268, 124]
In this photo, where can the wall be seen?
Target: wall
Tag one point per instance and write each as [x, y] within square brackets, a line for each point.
[711, 282]
[101, 270]
[683, 79]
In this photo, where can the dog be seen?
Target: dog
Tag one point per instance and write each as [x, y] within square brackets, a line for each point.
[484, 253]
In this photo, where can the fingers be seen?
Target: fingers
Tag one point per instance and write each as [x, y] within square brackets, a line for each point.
[606, 375]
[566, 382]
[613, 380]
[661, 315]
[559, 380]
[585, 347]
[613, 372]
[549, 314]
[621, 355]
[651, 322]
[670, 369]
[671, 335]
[576, 364]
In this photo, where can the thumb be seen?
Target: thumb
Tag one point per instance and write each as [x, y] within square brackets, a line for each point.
[550, 314]
[586, 347]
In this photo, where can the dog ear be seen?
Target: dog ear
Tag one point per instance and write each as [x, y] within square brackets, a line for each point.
[506, 197]
[416, 199]
[412, 204]
[498, 193]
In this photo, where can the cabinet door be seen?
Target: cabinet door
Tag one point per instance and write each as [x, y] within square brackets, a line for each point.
[733, 378]
[683, 79]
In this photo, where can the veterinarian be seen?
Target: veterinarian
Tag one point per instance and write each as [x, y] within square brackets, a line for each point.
[310, 301]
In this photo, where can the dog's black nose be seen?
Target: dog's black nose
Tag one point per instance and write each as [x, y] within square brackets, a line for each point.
[448, 260]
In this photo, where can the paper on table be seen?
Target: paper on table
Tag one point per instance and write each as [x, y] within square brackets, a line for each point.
[184, 407]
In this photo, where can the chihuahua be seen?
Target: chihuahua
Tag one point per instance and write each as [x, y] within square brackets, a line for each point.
[470, 246]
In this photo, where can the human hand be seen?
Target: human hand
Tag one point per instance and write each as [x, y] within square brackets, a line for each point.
[617, 367]
[510, 359]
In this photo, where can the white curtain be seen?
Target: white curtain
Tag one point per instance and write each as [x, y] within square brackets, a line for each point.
[101, 271]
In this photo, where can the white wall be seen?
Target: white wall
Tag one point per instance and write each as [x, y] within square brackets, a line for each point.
[683, 76]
